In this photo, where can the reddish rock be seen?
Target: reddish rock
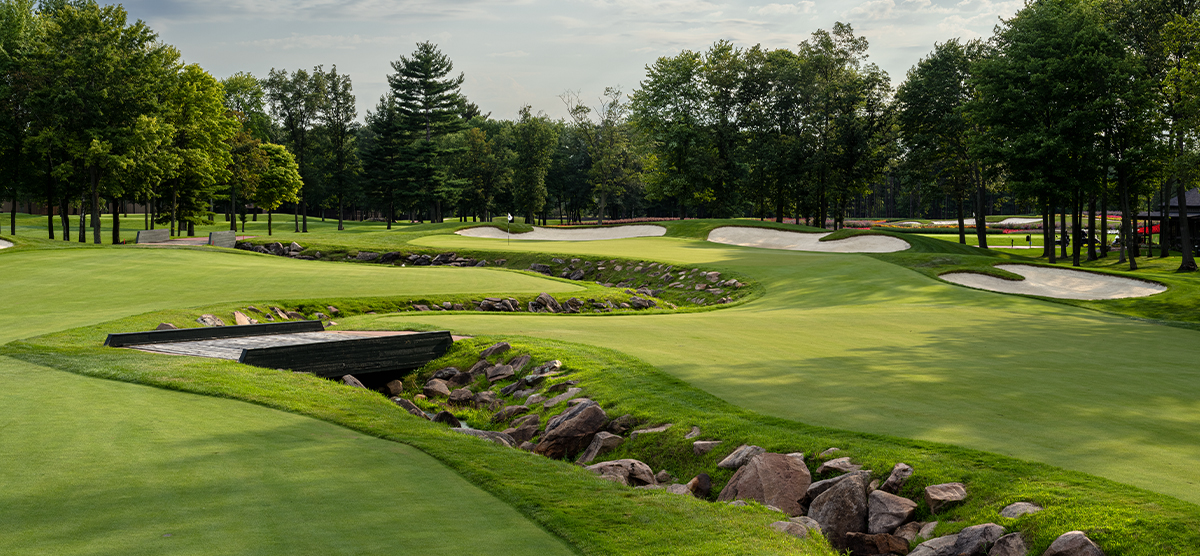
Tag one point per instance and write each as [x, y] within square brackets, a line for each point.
[771, 479]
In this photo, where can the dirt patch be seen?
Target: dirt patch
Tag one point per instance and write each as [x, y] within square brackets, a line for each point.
[767, 238]
[1059, 283]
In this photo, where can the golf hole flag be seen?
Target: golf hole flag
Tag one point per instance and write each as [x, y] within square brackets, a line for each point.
[510, 219]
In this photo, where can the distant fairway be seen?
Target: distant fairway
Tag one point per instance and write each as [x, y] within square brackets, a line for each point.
[57, 289]
[100, 467]
[851, 342]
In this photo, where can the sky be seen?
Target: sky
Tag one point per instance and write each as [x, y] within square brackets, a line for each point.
[529, 52]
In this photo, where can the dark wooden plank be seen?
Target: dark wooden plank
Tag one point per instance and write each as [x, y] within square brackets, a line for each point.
[356, 356]
[211, 333]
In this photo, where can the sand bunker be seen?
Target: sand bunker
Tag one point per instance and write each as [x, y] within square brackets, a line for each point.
[567, 234]
[767, 238]
[971, 222]
[5, 244]
[1057, 282]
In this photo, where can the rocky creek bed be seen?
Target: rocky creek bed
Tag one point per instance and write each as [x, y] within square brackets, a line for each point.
[539, 407]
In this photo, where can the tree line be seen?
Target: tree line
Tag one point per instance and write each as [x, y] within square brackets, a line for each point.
[1071, 108]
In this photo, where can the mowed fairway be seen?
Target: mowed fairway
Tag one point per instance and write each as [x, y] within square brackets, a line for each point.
[851, 342]
[50, 290]
[100, 467]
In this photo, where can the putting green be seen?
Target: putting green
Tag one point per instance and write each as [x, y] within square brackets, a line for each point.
[851, 342]
[51, 290]
[100, 467]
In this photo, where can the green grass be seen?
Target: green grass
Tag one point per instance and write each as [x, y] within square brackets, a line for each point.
[102, 467]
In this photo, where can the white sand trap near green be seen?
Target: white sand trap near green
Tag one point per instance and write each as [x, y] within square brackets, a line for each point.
[5, 244]
[567, 234]
[971, 222]
[1057, 282]
[768, 238]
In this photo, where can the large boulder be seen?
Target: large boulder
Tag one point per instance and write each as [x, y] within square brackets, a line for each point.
[570, 393]
[940, 546]
[815, 489]
[795, 528]
[842, 509]
[410, 407]
[396, 387]
[840, 464]
[771, 479]
[508, 413]
[886, 512]
[900, 474]
[1073, 543]
[975, 540]
[447, 418]
[350, 380]
[1012, 544]
[629, 472]
[862, 544]
[519, 362]
[547, 301]
[572, 431]
[943, 495]
[461, 396]
[700, 485]
[210, 320]
[436, 387]
[499, 372]
[601, 444]
[701, 447]
[741, 456]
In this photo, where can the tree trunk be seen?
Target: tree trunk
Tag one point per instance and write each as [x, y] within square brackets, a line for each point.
[1185, 237]
[233, 208]
[341, 211]
[1164, 221]
[94, 174]
[1104, 223]
[962, 229]
[64, 217]
[1062, 218]
[1048, 232]
[174, 211]
[1077, 228]
[1091, 229]
[50, 204]
[981, 206]
[82, 219]
[304, 210]
[268, 222]
[116, 225]
[1128, 242]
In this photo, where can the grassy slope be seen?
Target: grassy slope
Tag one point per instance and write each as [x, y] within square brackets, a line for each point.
[854, 342]
[101, 467]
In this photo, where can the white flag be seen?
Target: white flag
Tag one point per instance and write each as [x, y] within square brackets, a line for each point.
[510, 219]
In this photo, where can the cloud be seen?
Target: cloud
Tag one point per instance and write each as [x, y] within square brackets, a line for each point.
[323, 42]
[785, 9]
[874, 9]
[510, 54]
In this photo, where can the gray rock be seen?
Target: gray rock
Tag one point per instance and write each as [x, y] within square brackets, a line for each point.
[771, 479]
[547, 367]
[410, 407]
[487, 400]
[497, 437]
[940, 546]
[166, 326]
[210, 320]
[843, 465]
[829, 451]
[900, 474]
[701, 447]
[480, 367]
[499, 372]
[1013, 511]
[622, 424]
[495, 349]
[349, 380]
[927, 529]
[792, 528]
[534, 400]
[1012, 544]
[547, 301]
[240, 318]
[445, 373]
[435, 388]
[842, 509]
[367, 256]
[740, 456]
[601, 444]
[571, 431]
[519, 362]
[524, 428]
[738, 503]
[528, 446]
[630, 472]
[461, 396]
[908, 531]
[562, 386]
[944, 495]
[815, 489]
[863, 544]
[447, 418]
[509, 412]
[570, 393]
[678, 489]
[975, 540]
[692, 433]
[663, 476]
[886, 512]
[659, 428]
[1073, 543]
[700, 486]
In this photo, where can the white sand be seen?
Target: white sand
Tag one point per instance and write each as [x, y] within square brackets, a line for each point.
[767, 238]
[5, 244]
[1057, 282]
[568, 234]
